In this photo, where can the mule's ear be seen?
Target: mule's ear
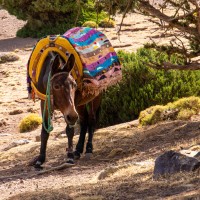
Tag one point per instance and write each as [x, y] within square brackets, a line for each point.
[69, 64]
[55, 64]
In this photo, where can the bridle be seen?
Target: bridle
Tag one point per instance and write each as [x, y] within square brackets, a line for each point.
[51, 83]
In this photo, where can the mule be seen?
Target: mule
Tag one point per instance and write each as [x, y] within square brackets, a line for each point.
[66, 98]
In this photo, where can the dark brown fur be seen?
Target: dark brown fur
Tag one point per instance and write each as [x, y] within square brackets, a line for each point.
[65, 96]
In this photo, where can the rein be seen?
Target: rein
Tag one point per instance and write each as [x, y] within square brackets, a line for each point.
[48, 103]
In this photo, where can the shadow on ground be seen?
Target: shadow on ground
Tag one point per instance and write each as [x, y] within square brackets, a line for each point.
[11, 44]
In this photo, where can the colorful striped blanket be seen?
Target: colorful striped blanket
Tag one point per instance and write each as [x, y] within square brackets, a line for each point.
[101, 66]
[97, 65]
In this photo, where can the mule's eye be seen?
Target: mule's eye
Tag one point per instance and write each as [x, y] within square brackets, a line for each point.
[56, 87]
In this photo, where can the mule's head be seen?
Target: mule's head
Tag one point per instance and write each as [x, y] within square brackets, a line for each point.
[63, 88]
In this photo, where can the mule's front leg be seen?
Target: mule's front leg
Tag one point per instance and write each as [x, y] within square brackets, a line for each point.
[82, 111]
[39, 160]
[43, 146]
[70, 135]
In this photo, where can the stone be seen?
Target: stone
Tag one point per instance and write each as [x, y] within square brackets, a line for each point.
[173, 162]
[15, 112]
[8, 57]
[37, 138]
[2, 122]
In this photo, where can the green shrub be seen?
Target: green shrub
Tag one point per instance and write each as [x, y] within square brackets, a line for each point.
[182, 109]
[90, 24]
[107, 23]
[51, 17]
[29, 123]
[142, 86]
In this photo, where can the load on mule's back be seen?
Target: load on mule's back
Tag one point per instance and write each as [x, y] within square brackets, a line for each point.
[67, 72]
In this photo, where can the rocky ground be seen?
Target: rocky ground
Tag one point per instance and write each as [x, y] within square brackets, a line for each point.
[122, 164]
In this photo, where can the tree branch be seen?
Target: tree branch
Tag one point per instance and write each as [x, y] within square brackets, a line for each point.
[197, 5]
[174, 23]
[124, 14]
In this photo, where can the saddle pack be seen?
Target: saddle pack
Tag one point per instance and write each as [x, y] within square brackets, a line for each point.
[96, 63]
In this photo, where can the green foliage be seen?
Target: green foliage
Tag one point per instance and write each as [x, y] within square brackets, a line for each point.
[182, 109]
[90, 13]
[107, 23]
[114, 6]
[29, 123]
[51, 17]
[90, 24]
[142, 86]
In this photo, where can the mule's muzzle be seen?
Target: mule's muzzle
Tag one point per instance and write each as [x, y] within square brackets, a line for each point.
[71, 119]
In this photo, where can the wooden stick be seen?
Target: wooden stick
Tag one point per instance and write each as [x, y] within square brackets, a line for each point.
[59, 167]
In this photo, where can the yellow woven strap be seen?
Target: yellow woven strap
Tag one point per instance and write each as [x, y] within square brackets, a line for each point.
[39, 94]
[60, 45]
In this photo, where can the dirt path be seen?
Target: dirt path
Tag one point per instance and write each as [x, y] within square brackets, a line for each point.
[122, 164]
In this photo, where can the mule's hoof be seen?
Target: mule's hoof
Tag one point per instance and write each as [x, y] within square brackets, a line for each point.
[38, 160]
[77, 155]
[88, 156]
[38, 165]
[34, 161]
[70, 161]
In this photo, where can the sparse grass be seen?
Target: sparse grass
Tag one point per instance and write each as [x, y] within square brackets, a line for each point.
[127, 176]
[107, 23]
[182, 109]
[29, 123]
[90, 24]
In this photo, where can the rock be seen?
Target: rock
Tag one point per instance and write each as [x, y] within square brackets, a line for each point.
[15, 112]
[37, 138]
[16, 143]
[8, 57]
[5, 134]
[2, 122]
[31, 110]
[172, 162]
[21, 142]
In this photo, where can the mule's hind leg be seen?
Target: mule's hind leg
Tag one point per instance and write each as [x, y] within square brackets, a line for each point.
[83, 130]
[70, 135]
[93, 115]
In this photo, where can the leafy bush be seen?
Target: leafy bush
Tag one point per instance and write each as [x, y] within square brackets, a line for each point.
[107, 23]
[90, 24]
[51, 17]
[29, 123]
[181, 109]
[143, 86]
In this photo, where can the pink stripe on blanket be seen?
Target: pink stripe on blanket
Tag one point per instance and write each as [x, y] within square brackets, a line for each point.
[86, 36]
[100, 61]
[71, 31]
